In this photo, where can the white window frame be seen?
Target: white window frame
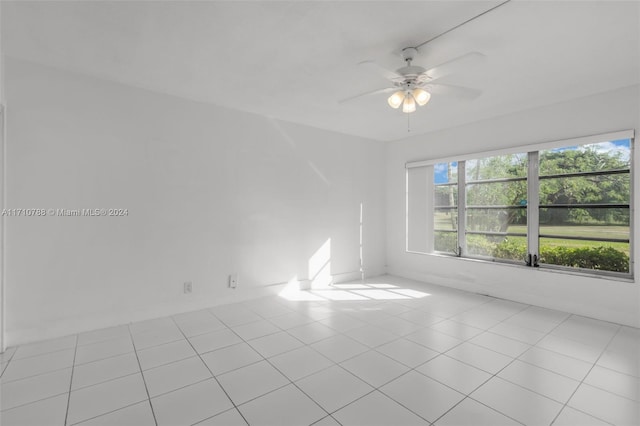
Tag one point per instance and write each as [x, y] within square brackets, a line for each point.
[533, 198]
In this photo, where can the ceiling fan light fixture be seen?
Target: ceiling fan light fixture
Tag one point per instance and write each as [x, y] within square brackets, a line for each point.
[409, 104]
[421, 96]
[396, 99]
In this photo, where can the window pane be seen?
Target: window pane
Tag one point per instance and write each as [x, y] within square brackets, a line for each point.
[586, 189]
[445, 214]
[445, 241]
[446, 195]
[500, 166]
[445, 172]
[586, 254]
[585, 193]
[498, 247]
[510, 193]
[608, 223]
[496, 213]
[496, 220]
[446, 220]
[612, 155]
[418, 209]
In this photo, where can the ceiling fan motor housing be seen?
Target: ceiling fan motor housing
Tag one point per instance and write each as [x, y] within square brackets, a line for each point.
[410, 71]
[408, 53]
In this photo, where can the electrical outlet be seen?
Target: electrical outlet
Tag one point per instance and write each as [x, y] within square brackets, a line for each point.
[233, 280]
[188, 287]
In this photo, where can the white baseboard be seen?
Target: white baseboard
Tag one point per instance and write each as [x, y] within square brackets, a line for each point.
[346, 276]
[526, 295]
[357, 275]
[82, 324]
[77, 325]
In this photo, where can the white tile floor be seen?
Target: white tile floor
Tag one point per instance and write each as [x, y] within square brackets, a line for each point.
[387, 352]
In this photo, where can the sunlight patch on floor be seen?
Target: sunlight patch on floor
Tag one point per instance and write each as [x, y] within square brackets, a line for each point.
[349, 292]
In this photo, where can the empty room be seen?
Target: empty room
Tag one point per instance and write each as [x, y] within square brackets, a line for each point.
[319, 213]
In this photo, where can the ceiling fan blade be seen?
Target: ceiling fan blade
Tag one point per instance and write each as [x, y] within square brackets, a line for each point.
[377, 68]
[455, 64]
[373, 92]
[454, 91]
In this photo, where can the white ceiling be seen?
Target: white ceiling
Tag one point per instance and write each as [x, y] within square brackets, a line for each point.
[293, 60]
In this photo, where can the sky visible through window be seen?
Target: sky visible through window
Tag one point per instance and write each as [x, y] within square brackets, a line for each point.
[621, 147]
[440, 170]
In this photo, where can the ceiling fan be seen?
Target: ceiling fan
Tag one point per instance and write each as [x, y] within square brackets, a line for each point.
[413, 85]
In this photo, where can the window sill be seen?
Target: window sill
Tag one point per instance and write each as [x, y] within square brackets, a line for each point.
[543, 268]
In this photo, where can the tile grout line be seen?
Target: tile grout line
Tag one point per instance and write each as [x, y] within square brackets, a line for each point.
[105, 358]
[444, 384]
[614, 393]
[172, 362]
[549, 333]
[108, 412]
[37, 400]
[107, 381]
[358, 399]
[212, 375]
[439, 354]
[532, 346]
[377, 388]
[585, 376]
[338, 332]
[64, 368]
[94, 384]
[181, 387]
[43, 353]
[36, 375]
[468, 396]
[374, 348]
[73, 367]
[291, 382]
[516, 384]
[324, 418]
[153, 413]
[6, 364]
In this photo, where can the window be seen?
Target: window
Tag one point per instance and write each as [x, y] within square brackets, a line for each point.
[496, 203]
[562, 205]
[445, 208]
[585, 196]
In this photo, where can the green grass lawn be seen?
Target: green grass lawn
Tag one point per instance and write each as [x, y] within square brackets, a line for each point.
[586, 231]
[597, 231]
[551, 242]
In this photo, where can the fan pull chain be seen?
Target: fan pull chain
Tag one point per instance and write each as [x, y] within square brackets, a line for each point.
[408, 123]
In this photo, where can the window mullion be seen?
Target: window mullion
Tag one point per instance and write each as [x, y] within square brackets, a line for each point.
[569, 192]
[632, 211]
[462, 209]
[533, 203]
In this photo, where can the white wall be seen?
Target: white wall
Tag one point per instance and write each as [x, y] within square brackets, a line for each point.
[2, 192]
[210, 191]
[594, 297]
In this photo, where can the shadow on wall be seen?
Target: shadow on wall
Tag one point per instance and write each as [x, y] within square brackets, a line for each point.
[319, 273]
[319, 267]
[292, 143]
